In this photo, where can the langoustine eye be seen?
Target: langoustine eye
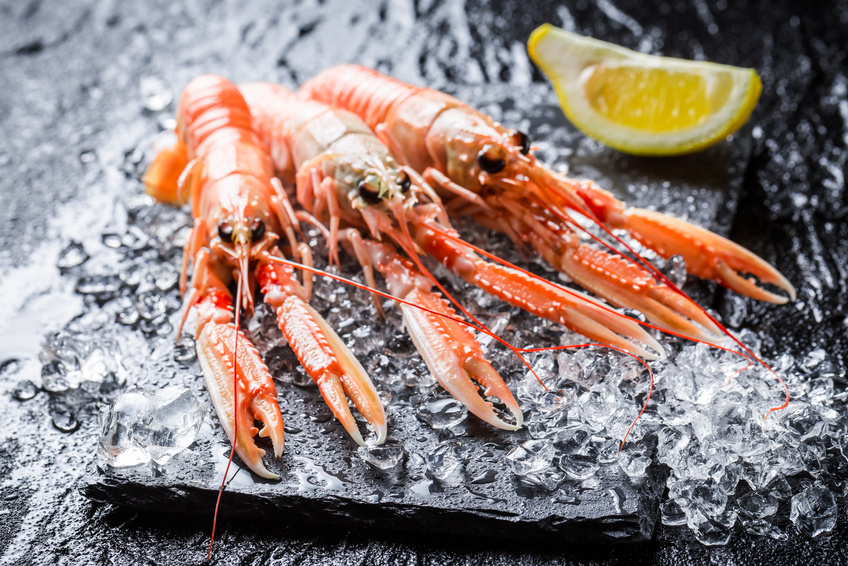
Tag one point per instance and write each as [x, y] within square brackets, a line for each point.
[225, 231]
[369, 190]
[257, 229]
[404, 182]
[490, 159]
[521, 140]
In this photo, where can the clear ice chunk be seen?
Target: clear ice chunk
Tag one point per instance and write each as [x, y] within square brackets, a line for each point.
[384, 456]
[442, 413]
[762, 527]
[821, 390]
[71, 358]
[530, 457]
[634, 462]
[532, 464]
[672, 514]
[814, 510]
[145, 425]
[710, 531]
[73, 255]
[756, 505]
[579, 466]
[444, 460]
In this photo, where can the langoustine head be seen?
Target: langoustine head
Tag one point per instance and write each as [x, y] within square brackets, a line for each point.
[240, 227]
[482, 156]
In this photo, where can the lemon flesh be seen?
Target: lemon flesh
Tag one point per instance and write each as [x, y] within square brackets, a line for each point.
[643, 104]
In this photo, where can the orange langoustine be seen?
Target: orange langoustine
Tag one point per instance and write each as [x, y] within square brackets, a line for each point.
[492, 174]
[240, 212]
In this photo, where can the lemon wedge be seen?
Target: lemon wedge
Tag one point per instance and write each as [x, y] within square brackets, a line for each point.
[643, 104]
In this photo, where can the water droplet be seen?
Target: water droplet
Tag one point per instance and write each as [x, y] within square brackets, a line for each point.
[25, 390]
[155, 94]
[73, 255]
[488, 476]
[64, 420]
[443, 413]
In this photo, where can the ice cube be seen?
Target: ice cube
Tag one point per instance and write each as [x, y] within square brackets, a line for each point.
[821, 390]
[73, 255]
[762, 527]
[144, 425]
[634, 461]
[531, 456]
[710, 531]
[579, 466]
[384, 456]
[444, 460]
[757, 505]
[814, 510]
[672, 513]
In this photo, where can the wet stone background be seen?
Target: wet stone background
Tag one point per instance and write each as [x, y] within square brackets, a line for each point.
[85, 87]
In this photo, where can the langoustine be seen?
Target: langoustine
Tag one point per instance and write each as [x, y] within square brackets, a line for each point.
[240, 212]
[492, 174]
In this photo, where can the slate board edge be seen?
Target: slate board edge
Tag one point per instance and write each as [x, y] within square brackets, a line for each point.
[104, 486]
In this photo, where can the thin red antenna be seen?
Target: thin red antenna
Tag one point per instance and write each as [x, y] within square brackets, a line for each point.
[235, 417]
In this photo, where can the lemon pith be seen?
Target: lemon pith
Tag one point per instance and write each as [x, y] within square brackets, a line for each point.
[643, 104]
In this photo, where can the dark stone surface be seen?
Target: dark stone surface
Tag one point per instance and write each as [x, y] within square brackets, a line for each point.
[72, 113]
